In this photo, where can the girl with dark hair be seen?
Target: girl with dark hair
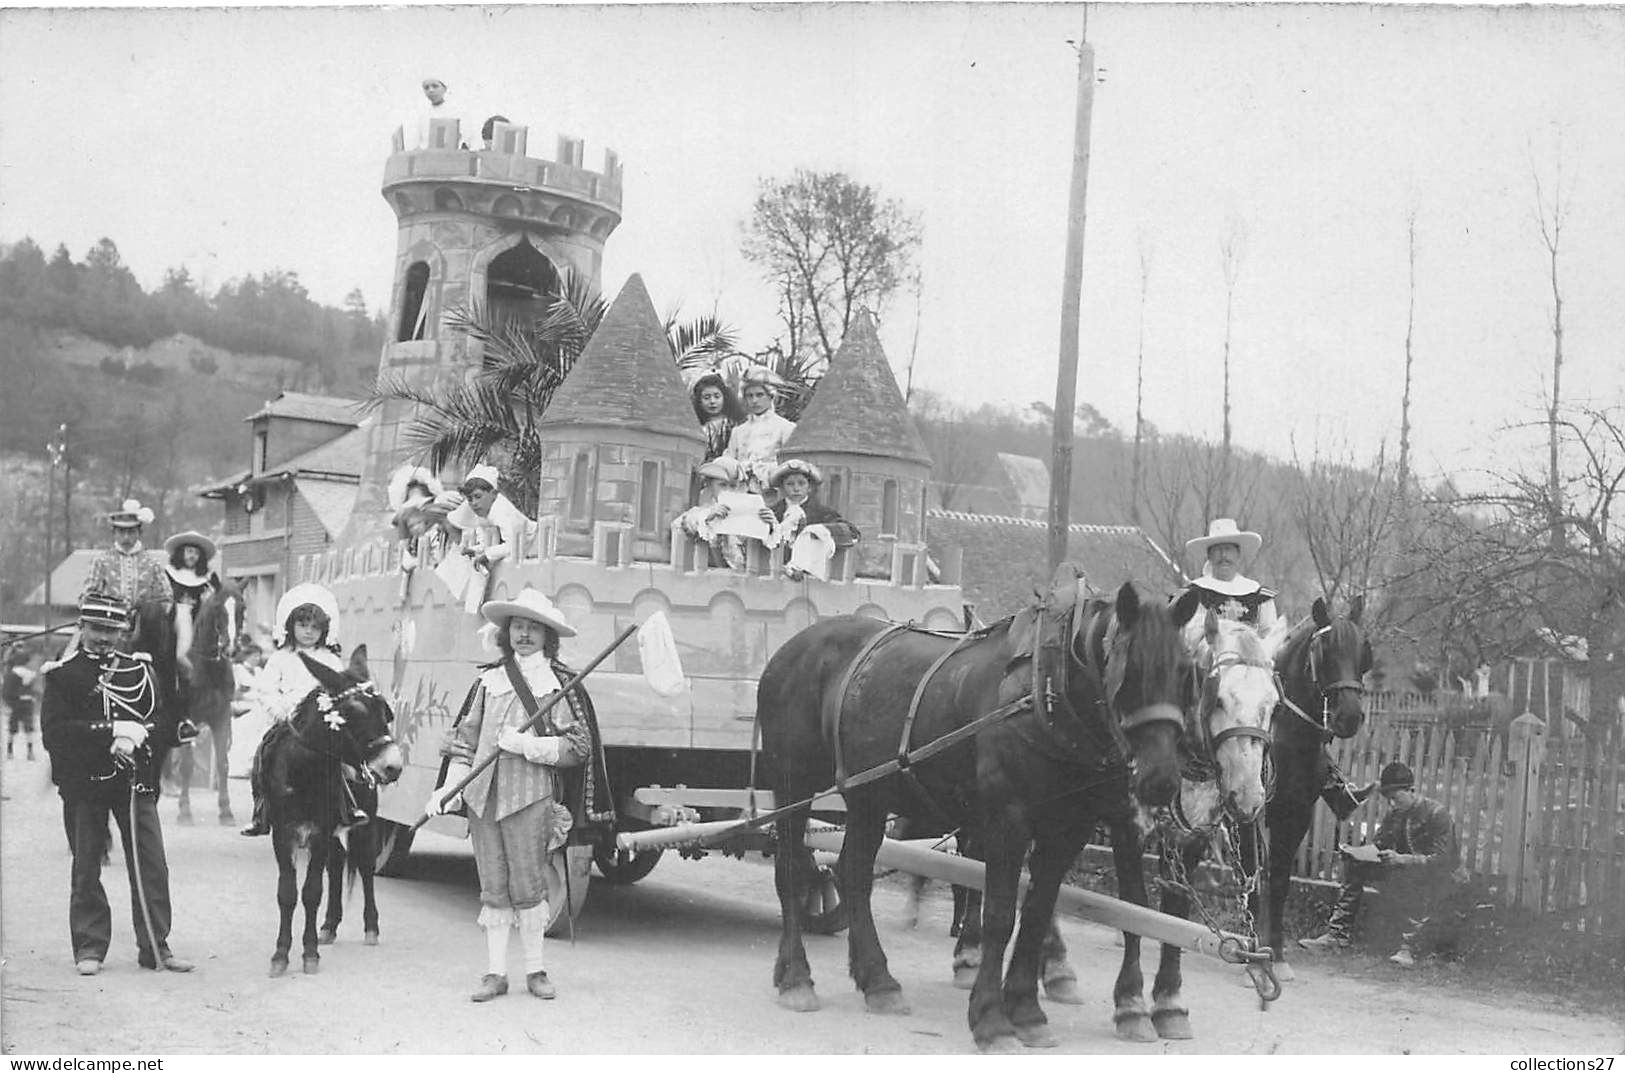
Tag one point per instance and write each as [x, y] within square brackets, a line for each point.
[717, 409]
[309, 616]
[190, 582]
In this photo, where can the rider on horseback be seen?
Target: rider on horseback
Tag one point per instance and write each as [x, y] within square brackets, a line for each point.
[191, 582]
[309, 618]
[1222, 587]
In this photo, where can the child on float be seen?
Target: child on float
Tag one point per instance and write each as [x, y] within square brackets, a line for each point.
[492, 529]
[309, 618]
[719, 475]
[718, 411]
[516, 818]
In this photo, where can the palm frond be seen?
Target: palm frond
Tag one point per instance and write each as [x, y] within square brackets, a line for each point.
[701, 343]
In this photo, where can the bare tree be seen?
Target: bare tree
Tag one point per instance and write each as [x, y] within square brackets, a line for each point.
[1345, 513]
[1137, 477]
[1549, 219]
[958, 457]
[1232, 249]
[1404, 475]
[831, 246]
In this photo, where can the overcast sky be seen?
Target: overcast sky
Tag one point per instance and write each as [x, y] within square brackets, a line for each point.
[245, 140]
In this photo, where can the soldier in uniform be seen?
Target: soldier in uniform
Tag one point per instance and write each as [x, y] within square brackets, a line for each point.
[103, 726]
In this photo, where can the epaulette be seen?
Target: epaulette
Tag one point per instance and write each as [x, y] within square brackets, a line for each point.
[144, 657]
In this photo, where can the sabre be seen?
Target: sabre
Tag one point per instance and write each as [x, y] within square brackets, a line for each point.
[542, 709]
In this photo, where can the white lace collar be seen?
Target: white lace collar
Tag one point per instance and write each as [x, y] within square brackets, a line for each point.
[1240, 585]
[538, 674]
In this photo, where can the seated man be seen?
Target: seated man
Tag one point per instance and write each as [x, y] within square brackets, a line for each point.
[812, 530]
[1415, 855]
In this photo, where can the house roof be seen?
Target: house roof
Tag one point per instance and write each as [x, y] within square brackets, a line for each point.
[334, 411]
[625, 376]
[857, 407]
[1006, 558]
[340, 459]
[68, 577]
[1029, 477]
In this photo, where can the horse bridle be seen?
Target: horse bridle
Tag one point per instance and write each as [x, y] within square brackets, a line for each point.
[1324, 723]
[331, 715]
[1210, 702]
[1111, 674]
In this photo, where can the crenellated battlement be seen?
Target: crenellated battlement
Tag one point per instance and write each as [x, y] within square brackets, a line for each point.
[516, 180]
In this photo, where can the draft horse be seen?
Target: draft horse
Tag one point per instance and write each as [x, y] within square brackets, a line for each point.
[210, 690]
[1041, 725]
[344, 724]
[1322, 666]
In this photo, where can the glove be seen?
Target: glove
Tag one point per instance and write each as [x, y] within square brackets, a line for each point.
[122, 749]
[538, 750]
[443, 799]
[128, 729]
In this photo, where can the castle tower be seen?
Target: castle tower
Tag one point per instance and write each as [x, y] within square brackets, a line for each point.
[619, 440]
[857, 431]
[493, 229]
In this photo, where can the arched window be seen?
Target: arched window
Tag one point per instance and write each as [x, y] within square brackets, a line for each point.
[888, 509]
[517, 283]
[414, 310]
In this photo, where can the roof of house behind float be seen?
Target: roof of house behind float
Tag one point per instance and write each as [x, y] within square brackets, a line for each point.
[334, 411]
[1005, 558]
[857, 407]
[625, 376]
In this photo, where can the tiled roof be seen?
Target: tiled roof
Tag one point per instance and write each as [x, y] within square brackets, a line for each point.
[1029, 477]
[857, 407]
[333, 410]
[625, 376]
[1006, 558]
[341, 455]
[69, 577]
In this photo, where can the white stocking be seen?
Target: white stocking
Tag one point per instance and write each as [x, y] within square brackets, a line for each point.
[532, 932]
[498, 925]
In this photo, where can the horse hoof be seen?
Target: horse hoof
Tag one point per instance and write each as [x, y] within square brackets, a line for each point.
[890, 1002]
[1135, 1028]
[312, 965]
[1173, 1024]
[226, 818]
[964, 977]
[800, 999]
[999, 1045]
[1063, 990]
[1283, 972]
[184, 817]
[370, 939]
[1036, 1036]
[326, 936]
[279, 965]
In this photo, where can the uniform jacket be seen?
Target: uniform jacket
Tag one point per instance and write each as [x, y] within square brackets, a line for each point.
[76, 722]
[1425, 829]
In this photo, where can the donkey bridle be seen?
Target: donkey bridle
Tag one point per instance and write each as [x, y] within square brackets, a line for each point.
[1324, 723]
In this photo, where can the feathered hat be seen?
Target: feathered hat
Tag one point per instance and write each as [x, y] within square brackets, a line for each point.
[130, 515]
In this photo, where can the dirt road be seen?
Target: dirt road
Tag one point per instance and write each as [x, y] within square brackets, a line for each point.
[679, 963]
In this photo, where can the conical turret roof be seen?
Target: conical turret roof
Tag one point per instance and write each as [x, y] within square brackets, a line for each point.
[857, 407]
[625, 377]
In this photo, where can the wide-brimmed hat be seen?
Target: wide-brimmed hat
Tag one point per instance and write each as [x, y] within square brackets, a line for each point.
[192, 537]
[1224, 531]
[795, 465]
[307, 593]
[528, 604]
[104, 609]
[723, 468]
[407, 475]
[1396, 776]
[130, 515]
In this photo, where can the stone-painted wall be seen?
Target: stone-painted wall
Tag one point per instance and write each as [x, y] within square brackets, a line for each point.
[860, 499]
[616, 472]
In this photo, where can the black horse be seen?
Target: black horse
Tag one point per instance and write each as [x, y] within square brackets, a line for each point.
[1070, 707]
[1322, 667]
[345, 723]
[210, 689]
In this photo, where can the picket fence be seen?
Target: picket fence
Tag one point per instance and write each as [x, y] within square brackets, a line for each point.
[1541, 817]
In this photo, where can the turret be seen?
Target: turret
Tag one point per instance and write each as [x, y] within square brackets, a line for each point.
[489, 228]
[875, 466]
[619, 440]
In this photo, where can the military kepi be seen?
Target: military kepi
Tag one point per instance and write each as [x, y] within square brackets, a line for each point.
[104, 609]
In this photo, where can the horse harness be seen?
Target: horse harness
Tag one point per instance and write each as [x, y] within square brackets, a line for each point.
[1323, 724]
[329, 705]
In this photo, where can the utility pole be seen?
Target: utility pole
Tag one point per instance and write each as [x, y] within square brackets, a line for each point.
[67, 489]
[53, 450]
[1066, 377]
